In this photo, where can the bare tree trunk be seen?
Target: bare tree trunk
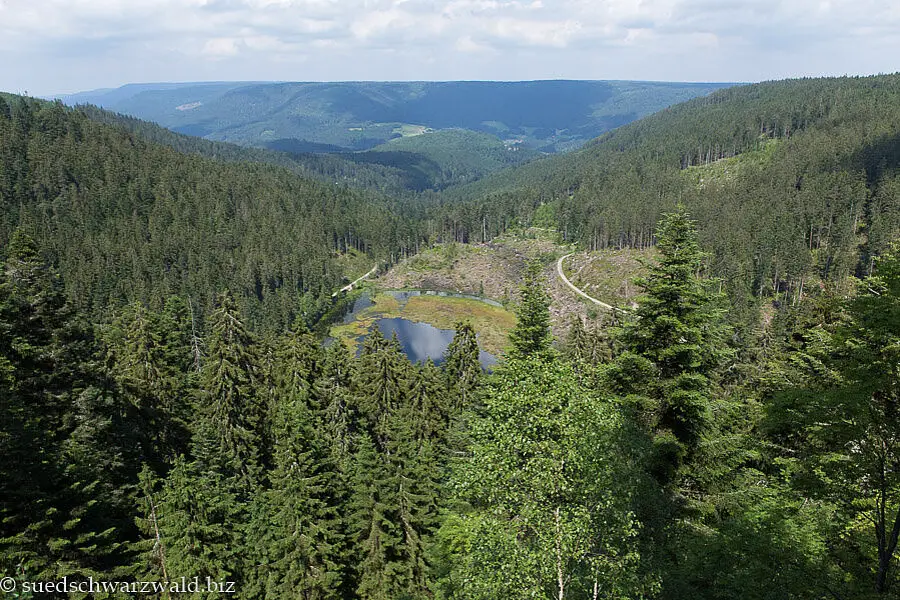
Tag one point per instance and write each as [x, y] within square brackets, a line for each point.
[887, 545]
[161, 549]
[195, 339]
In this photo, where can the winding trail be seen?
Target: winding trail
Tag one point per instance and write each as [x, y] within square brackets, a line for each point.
[350, 285]
[559, 270]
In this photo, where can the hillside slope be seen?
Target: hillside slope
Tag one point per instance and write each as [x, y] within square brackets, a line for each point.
[548, 115]
[792, 182]
[345, 169]
[443, 158]
[126, 219]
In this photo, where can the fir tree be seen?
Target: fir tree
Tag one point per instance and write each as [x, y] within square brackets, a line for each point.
[531, 335]
[296, 536]
[414, 474]
[577, 343]
[381, 385]
[375, 534]
[140, 358]
[426, 413]
[461, 366]
[677, 330]
[199, 521]
[62, 485]
[229, 432]
[333, 397]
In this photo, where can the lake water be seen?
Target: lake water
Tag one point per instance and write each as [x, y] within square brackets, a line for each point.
[420, 341]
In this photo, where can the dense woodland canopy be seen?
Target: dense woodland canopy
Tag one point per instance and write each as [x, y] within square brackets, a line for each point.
[791, 182]
[400, 167]
[167, 411]
[126, 219]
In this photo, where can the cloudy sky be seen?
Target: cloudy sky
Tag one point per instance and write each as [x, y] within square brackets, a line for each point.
[56, 46]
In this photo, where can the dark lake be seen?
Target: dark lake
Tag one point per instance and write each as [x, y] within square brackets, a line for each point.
[420, 341]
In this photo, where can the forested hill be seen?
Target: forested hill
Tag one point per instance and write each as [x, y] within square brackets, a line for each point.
[656, 453]
[791, 182]
[348, 169]
[427, 160]
[126, 219]
[341, 116]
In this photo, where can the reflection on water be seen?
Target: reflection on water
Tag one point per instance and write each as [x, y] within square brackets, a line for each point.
[361, 303]
[421, 341]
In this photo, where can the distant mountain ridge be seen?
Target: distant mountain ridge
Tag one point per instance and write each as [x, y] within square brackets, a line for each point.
[550, 115]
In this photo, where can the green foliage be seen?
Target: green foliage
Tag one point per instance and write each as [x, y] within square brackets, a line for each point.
[199, 519]
[231, 427]
[150, 361]
[461, 364]
[531, 335]
[843, 426]
[547, 483]
[63, 444]
[673, 344]
[545, 216]
[436, 160]
[295, 538]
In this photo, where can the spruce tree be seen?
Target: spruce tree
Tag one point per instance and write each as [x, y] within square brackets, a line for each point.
[333, 397]
[415, 473]
[229, 432]
[531, 335]
[63, 478]
[200, 520]
[381, 385]
[141, 364]
[296, 538]
[461, 366]
[206, 502]
[426, 413]
[376, 535]
[672, 345]
[394, 472]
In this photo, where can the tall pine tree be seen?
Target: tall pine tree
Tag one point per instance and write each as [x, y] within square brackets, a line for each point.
[531, 335]
[672, 345]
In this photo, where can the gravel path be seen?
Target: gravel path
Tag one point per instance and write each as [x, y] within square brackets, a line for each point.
[559, 270]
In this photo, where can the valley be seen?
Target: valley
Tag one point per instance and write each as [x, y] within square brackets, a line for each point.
[353, 116]
[199, 373]
[450, 280]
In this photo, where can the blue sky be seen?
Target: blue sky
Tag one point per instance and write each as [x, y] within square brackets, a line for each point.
[58, 46]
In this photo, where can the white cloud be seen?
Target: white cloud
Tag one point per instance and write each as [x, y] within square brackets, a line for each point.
[221, 47]
[534, 32]
[75, 44]
[467, 44]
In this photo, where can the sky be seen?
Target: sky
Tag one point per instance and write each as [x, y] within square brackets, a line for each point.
[62, 46]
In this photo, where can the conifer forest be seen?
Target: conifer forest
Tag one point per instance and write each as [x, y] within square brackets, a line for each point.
[170, 407]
